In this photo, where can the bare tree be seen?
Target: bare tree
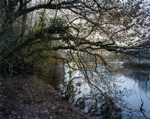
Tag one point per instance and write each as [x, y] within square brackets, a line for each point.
[79, 29]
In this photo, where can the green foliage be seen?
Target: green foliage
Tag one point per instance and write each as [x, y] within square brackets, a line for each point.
[57, 22]
[10, 60]
[46, 68]
[42, 20]
[33, 43]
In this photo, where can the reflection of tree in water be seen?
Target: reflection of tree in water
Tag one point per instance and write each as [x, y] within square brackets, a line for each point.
[142, 78]
[139, 72]
[104, 105]
[99, 106]
[107, 104]
[110, 103]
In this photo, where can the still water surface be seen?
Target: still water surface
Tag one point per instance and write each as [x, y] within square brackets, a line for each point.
[133, 88]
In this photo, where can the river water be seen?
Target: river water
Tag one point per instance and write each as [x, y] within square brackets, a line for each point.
[129, 94]
[139, 96]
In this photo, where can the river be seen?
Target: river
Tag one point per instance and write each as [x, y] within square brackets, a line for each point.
[122, 96]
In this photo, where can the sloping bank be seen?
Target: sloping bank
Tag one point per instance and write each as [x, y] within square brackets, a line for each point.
[31, 98]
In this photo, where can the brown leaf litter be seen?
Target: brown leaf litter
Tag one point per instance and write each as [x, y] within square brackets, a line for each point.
[31, 98]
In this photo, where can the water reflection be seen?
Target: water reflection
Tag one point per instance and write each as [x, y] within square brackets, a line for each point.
[142, 78]
[137, 99]
[123, 96]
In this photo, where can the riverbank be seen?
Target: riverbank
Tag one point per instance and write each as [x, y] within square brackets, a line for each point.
[31, 98]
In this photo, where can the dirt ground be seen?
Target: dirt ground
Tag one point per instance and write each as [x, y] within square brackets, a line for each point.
[31, 98]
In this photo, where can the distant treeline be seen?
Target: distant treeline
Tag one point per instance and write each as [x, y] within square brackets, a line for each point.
[140, 66]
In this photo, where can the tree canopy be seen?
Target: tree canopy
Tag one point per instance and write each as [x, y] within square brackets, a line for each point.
[91, 26]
